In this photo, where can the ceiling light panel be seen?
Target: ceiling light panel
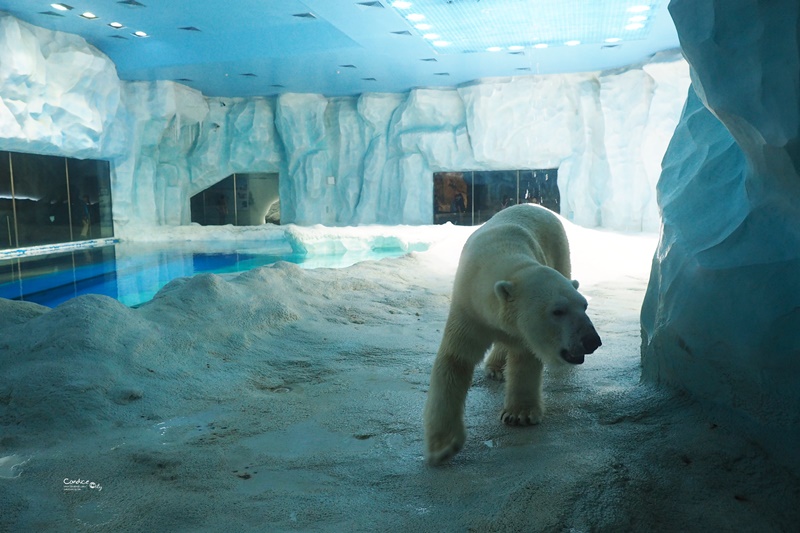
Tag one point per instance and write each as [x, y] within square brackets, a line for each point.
[469, 25]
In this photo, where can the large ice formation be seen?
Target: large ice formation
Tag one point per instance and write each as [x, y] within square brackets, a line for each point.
[722, 313]
[342, 161]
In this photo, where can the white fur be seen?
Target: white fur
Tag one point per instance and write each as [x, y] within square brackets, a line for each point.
[512, 291]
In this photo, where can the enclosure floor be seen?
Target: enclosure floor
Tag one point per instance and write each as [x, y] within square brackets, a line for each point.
[284, 399]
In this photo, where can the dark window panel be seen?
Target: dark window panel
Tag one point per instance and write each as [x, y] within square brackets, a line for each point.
[241, 199]
[487, 192]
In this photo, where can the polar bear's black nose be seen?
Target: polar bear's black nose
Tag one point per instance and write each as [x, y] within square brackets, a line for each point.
[591, 342]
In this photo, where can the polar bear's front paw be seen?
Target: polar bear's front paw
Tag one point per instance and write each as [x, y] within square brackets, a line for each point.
[441, 447]
[521, 417]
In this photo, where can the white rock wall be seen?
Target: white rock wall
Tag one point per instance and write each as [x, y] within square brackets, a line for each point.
[58, 94]
[721, 317]
[342, 161]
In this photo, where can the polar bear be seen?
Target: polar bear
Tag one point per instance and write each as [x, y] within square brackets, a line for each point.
[511, 291]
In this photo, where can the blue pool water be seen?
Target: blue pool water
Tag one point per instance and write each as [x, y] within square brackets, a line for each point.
[134, 273]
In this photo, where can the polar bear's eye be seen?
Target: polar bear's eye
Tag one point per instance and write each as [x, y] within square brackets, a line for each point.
[559, 312]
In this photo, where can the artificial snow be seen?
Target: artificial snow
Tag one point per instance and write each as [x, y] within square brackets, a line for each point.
[284, 399]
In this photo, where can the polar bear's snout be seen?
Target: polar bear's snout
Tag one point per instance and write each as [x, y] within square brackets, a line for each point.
[587, 343]
[591, 341]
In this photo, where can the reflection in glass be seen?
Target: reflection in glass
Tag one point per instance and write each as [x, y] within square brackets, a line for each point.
[473, 197]
[8, 229]
[493, 190]
[90, 187]
[42, 199]
[246, 199]
[452, 200]
[50, 200]
[540, 187]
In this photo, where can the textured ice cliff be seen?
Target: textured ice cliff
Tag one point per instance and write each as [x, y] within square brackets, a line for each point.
[58, 94]
[359, 160]
[722, 313]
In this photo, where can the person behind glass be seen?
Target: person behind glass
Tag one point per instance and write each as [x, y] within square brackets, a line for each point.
[87, 219]
[459, 206]
[222, 209]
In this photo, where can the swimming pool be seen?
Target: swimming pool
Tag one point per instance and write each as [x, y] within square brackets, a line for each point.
[134, 272]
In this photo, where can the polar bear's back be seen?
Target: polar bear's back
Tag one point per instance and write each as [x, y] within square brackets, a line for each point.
[528, 230]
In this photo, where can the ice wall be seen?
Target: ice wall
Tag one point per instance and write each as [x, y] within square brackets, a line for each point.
[342, 161]
[721, 316]
[58, 94]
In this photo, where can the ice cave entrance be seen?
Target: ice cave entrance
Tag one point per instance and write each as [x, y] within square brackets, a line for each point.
[241, 199]
[469, 198]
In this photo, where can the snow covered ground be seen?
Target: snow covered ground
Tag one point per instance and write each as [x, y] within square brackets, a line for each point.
[285, 399]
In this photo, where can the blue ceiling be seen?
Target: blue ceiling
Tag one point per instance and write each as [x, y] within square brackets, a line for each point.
[347, 47]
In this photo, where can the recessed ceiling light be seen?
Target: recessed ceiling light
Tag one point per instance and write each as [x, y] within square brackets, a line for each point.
[540, 45]
[401, 5]
[634, 26]
[431, 36]
[116, 25]
[61, 7]
[89, 15]
[493, 49]
[612, 40]
[140, 34]
[416, 17]
[572, 43]
[441, 44]
[423, 26]
[638, 9]
[637, 18]
[516, 48]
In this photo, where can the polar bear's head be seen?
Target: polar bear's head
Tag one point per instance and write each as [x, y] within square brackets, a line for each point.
[546, 311]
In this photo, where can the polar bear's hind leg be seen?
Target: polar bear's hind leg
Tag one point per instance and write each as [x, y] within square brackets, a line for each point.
[496, 362]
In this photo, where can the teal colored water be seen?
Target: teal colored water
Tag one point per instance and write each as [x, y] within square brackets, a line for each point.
[134, 273]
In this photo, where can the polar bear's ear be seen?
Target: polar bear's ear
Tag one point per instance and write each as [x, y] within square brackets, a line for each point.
[503, 290]
[575, 283]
